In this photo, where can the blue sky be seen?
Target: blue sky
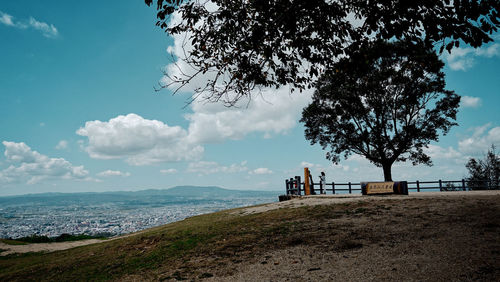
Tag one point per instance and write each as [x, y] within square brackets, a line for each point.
[78, 111]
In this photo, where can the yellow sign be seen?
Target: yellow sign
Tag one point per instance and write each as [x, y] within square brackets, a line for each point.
[379, 187]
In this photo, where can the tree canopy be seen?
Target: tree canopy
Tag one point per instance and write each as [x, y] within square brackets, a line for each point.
[484, 173]
[261, 43]
[384, 101]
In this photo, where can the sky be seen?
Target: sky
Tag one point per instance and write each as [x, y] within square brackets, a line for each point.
[79, 113]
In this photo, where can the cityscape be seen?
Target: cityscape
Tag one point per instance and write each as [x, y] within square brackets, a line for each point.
[112, 214]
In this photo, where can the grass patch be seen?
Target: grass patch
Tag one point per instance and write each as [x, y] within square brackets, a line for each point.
[61, 238]
[360, 210]
[12, 242]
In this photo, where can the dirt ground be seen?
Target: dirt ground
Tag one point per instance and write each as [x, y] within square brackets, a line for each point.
[448, 236]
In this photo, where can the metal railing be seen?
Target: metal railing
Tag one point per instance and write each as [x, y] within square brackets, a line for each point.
[294, 186]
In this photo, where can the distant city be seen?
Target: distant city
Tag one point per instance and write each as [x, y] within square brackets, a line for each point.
[115, 213]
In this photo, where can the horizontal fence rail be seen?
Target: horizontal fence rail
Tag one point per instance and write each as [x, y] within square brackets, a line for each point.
[295, 187]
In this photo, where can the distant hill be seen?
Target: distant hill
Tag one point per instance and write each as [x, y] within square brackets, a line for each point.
[174, 194]
[174, 191]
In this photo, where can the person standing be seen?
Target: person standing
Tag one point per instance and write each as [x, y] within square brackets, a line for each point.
[322, 183]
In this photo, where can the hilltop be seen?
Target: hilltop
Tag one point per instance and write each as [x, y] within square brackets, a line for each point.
[424, 236]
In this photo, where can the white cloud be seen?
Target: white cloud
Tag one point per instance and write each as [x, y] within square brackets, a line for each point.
[168, 171]
[32, 167]
[309, 165]
[449, 154]
[204, 167]
[480, 141]
[109, 172]
[470, 102]
[464, 58]
[48, 30]
[489, 52]
[6, 19]
[275, 112]
[139, 141]
[63, 144]
[261, 170]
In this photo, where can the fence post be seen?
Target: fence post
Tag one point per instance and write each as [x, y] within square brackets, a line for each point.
[440, 185]
[333, 187]
[298, 184]
[463, 184]
[350, 190]
[307, 187]
[418, 186]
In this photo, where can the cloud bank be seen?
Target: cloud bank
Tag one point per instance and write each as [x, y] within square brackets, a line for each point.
[142, 141]
[470, 102]
[276, 112]
[32, 167]
[480, 141]
[464, 58]
[138, 140]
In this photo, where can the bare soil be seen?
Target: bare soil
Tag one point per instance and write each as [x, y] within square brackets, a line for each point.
[452, 236]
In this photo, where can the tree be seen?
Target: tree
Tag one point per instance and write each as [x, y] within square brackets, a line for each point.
[248, 44]
[384, 101]
[484, 173]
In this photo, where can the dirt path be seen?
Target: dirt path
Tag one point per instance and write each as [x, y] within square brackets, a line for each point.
[44, 247]
[6, 249]
[346, 198]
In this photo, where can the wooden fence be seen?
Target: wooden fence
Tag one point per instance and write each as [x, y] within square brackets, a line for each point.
[294, 186]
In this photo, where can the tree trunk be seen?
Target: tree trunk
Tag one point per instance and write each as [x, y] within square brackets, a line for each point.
[387, 171]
